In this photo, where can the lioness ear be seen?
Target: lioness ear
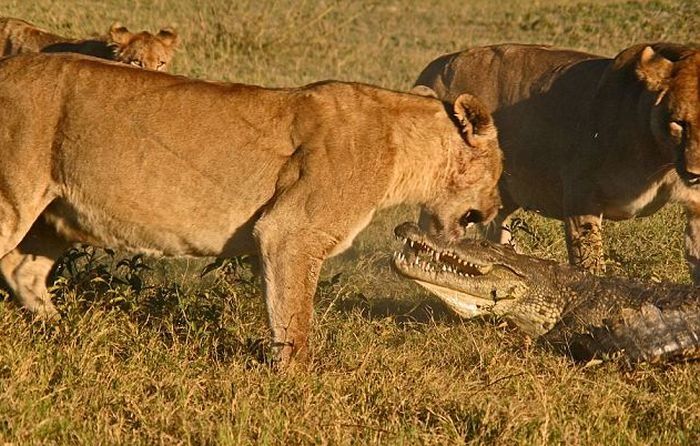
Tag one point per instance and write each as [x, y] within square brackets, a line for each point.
[168, 36]
[654, 70]
[119, 34]
[424, 90]
[475, 120]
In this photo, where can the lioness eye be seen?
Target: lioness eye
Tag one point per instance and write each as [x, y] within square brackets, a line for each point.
[161, 65]
[136, 63]
[677, 128]
[471, 216]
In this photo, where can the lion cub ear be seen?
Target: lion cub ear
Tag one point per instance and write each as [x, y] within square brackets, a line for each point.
[654, 70]
[168, 36]
[119, 35]
[424, 90]
[474, 119]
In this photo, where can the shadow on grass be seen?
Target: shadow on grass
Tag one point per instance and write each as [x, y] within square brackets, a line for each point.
[213, 316]
[402, 311]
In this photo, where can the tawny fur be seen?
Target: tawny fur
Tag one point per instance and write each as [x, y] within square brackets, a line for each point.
[587, 137]
[121, 157]
[26, 268]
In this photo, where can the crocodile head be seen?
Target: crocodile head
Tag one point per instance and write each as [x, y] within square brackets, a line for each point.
[475, 277]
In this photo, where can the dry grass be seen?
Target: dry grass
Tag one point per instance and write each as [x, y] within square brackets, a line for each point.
[176, 360]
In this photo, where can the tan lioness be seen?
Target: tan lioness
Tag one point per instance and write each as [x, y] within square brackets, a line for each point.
[142, 49]
[26, 268]
[587, 137]
[148, 161]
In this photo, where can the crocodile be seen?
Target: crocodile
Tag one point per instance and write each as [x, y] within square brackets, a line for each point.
[585, 316]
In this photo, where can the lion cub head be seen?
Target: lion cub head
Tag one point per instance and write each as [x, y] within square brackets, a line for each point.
[671, 73]
[143, 50]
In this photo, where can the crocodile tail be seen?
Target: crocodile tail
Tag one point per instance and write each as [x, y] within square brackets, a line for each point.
[648, 334]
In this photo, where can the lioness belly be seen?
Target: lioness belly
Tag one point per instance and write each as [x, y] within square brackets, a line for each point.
[621, 200]
[161, 200]
[101, 225]
[644, 205]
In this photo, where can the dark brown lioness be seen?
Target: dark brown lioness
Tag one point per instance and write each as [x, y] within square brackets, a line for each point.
[145, 50]
[144, 160]
[587, 137]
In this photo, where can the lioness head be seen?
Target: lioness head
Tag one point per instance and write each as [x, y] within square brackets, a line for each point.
[470, 193]
[672, 75]
[143, 50]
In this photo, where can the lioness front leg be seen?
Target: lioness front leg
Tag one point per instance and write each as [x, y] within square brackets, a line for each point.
[692, 241]
[291, 264]
[584, 242]
[293, 241]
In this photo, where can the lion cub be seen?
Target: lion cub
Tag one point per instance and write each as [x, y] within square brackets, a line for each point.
[144, 50]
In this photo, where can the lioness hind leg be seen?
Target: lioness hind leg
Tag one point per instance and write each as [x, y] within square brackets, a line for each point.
[26, 275]
[26, 269]
[584, 242]
[17, 216]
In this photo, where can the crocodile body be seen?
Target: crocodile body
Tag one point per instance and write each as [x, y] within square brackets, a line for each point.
[578, 313]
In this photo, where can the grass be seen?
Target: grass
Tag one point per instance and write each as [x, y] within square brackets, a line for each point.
[163, 356]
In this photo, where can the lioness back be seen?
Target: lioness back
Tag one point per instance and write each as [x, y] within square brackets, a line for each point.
[143, 49]
[498, 75]
[18, 36]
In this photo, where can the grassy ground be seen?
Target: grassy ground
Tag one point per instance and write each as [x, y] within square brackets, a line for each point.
[160, 356]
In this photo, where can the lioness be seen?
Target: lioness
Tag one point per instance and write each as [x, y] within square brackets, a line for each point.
[586, 136]
[26, 268]
[148, 161]
[143, 49]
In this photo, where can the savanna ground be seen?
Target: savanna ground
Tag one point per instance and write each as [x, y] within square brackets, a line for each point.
[148, 356]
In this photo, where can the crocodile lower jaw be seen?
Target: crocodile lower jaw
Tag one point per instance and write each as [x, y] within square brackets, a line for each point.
[465, 305]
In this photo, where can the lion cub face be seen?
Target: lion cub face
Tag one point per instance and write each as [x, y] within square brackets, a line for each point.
[143, 50]
[675, 120]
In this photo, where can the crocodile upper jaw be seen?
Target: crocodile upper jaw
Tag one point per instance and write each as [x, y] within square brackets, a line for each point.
[468, 286]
